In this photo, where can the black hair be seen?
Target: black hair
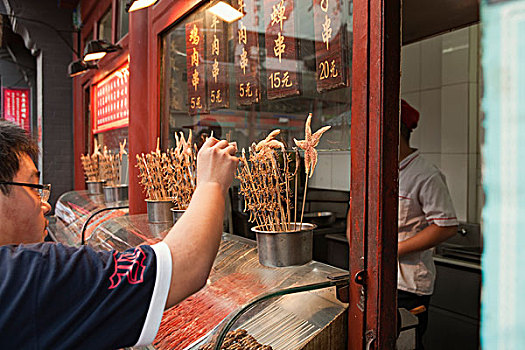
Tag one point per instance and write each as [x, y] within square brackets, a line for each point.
[14, 142]
[405, 132]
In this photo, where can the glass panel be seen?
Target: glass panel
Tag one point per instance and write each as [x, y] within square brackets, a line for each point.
[104, 26]
[268, 70]
[243, 122]
[123, 19]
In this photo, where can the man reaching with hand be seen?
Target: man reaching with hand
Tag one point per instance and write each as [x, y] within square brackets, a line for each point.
[58, 297]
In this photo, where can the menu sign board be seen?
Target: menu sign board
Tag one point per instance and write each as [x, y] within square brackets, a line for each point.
[246, 40]
[217, 66]
[110, 101]
[16, 107]
[330, 45]
[196, 67]
[281, 49]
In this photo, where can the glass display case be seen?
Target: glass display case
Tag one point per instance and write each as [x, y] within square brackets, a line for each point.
[76, 211]
[284, 322]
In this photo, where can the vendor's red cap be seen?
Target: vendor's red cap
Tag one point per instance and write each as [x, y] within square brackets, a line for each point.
[409, 115]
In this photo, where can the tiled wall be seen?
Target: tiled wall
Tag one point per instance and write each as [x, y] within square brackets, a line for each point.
[332, 171]
[439, 77]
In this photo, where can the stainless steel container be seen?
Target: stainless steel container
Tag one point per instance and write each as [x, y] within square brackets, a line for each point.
[159, 210]
[95, 187]
[114, 194]
[279, 249]
[177, 213]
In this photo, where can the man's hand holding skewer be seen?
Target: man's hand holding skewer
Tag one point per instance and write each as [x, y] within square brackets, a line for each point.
[216, 163]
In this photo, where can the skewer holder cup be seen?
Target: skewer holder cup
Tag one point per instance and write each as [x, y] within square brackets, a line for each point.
[95, 187]
[177, 213]
[113, 194]
[279, 249]
[159, 210]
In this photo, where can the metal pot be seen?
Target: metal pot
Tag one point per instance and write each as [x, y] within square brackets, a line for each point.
[113, 194]
[279, 249]
[320, 218]
[177, 213]
[159, 210]
[95, 187]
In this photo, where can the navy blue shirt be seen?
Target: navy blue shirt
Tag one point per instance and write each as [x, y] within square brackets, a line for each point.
[58, 297]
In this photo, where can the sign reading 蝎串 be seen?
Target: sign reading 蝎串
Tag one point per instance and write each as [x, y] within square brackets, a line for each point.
[281, 50]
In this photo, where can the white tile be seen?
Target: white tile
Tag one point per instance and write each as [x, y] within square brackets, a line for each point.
[341, 171]
[455, 169]
[455, 55]
[474, 53]
[322, 177]
[473, 111]
[481, 202]
[429, 125]
[454, 118]
[413, 99]
[431, 63]
[410, 67]
[433, 158]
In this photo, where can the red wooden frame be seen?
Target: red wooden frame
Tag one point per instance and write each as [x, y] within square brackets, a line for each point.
[372, 228]
[372, 220]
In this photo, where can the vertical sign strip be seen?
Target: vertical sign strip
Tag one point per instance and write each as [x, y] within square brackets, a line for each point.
[217, 65]
[247, 54]
[331, 48]
[16, 107]
[196, 67]
[281, 49]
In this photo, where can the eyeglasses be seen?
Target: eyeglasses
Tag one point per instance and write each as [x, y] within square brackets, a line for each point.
[43, 191]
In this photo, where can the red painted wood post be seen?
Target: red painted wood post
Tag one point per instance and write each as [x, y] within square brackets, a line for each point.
[359, 178]
[374, 174]
[138, 104]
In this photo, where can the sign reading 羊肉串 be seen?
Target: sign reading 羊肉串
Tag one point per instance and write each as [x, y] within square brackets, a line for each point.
[246, 50]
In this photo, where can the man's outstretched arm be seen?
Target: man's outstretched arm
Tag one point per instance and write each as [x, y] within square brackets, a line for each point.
[195, 238]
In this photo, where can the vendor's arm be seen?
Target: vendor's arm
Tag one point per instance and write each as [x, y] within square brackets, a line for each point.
[431, 236]
[195, 238]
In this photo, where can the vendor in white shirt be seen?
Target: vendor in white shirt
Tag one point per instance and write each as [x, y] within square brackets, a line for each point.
[426, 218]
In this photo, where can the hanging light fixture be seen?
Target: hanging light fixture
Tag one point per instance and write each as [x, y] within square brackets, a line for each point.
[225, 12]
[134, 5]
[96, 49]
[79, 67]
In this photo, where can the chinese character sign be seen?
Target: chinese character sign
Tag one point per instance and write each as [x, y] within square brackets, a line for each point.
[246, 48]
[16, 107]
[217, 65]
[110, 101]
[281, 49]
[195, 65]
[330, 45]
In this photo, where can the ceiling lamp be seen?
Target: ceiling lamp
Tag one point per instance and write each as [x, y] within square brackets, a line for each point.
[225, 12]
[96, 49]
[135, 5]
[79, 67]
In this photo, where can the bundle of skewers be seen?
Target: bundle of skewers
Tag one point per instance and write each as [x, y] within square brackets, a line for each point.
[104, 166]
[91, 164]
[110, 165]
[267, 178]
[170, 175]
